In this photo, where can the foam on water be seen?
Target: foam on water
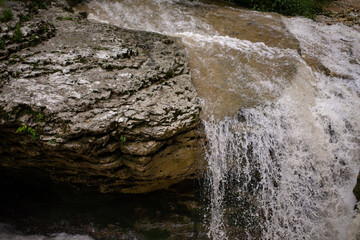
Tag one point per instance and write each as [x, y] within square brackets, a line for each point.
[155, 16]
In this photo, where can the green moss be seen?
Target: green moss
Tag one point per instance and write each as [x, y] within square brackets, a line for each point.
[7, 15]
[156, 234]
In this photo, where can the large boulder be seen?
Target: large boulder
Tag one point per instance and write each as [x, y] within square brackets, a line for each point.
[95, 105]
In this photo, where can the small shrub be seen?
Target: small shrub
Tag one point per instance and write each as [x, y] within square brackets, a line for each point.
[7, 15]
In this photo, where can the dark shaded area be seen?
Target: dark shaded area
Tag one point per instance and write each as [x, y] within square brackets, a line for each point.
[37, 206]
[287, 7]
[357, 189]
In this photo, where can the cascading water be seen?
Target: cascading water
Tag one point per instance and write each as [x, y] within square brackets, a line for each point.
[283, 138]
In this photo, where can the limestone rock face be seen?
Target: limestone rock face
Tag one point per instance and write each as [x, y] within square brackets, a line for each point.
[96, 105]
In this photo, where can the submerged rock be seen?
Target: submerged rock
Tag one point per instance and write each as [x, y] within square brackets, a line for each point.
[97, 105]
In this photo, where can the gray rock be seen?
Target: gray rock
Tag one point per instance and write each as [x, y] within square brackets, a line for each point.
[92, 104]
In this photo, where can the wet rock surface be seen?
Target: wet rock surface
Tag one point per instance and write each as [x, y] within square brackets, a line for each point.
[341, 11]
[96, 105]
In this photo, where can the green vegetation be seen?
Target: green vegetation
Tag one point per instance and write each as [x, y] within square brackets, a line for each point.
[28, 130]
[2, 3]
[24, 18]
[287, 7]
[44, 29]
[122, 139]
[40, 117]
[18, 36]
[36, 4]
[156, 234]
[7, 15]
[2, 44]
[64, 18]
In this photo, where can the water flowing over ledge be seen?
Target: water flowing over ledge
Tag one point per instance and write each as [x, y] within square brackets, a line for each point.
[281, 117]
[280, 108]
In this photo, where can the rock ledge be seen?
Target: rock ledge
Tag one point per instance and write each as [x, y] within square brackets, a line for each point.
[92, 104]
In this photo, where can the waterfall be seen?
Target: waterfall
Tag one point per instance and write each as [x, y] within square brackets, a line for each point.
[282, 123]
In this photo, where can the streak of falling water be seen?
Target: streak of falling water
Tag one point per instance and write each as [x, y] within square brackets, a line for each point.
[283, 138]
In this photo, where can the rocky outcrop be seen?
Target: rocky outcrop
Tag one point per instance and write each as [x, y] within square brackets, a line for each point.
[96, 105]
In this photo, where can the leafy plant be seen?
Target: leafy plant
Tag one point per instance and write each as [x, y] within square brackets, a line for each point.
[28, 130]
[40, 117]
[122, 139]
[7, 15]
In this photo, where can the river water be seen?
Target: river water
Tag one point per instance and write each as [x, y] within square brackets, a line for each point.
[281, 100]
